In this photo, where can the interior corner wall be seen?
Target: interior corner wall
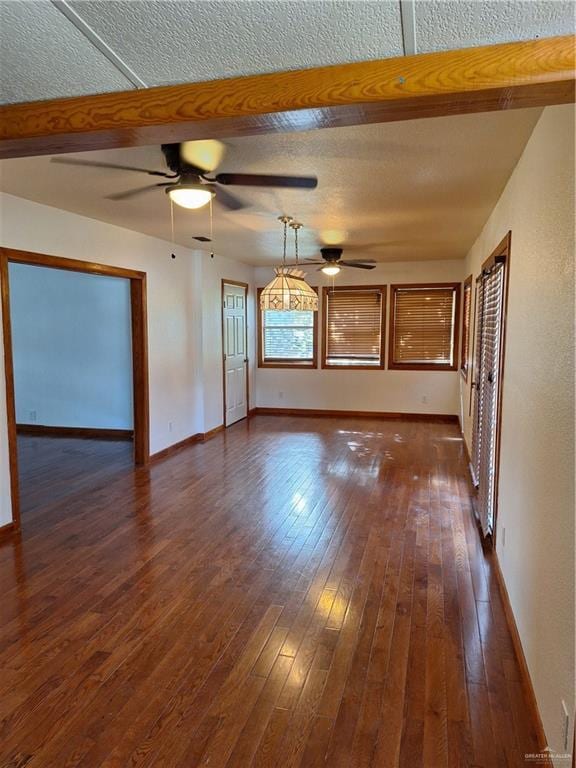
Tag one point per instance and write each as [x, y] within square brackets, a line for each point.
[183, 321]
[536, 492]
[426, 392]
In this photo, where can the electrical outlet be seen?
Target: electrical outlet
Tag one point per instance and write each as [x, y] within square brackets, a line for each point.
[33, 415]
[565, 726]
[424, 399]
[169, 426]
[281, 395]
[503, 536]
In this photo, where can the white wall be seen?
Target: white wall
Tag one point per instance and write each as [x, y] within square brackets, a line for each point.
[536, 499]
[71, 343]
[177, 314]
[377, 390]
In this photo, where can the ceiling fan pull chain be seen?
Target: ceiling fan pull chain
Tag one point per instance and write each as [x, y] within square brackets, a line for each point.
[211, 221]
[211, 227]
[172, 224]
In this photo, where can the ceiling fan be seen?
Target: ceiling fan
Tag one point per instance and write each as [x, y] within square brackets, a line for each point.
[332, 261]
[189, 186]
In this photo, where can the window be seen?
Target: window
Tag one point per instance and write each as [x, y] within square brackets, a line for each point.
[424, 327]
[466, 326]
[353, 328]
[286, 339]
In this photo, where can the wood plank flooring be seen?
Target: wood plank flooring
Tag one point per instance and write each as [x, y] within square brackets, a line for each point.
[51, 468]
[295, 592]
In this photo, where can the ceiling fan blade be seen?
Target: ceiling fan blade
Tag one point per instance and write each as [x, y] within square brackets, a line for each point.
[356, 265]
[361, 261]
[134, 192]
[307, 263]
[206, 154]
[94, 164]
[229, 201]
[263, 180]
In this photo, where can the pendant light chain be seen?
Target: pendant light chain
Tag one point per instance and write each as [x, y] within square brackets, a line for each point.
[296, 226]
[296, 242]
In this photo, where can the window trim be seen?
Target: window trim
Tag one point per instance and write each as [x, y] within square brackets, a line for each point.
[465, 338]
[367, 287]
[394, 366]
[286, 362]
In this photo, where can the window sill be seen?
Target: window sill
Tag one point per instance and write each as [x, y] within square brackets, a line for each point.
[422, 367]
[294, 364]
[352, 367]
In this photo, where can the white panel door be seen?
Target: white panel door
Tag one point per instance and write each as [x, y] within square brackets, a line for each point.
[235, 353]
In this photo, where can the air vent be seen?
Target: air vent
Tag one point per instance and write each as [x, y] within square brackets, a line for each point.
[202, 239]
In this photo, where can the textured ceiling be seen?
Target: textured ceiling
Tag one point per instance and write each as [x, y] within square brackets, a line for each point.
[205, 40]
[43, 55]
[418, 190]
[442, 25]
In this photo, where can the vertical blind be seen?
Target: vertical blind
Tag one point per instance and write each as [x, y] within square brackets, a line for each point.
[492, 288]
[466, 327]
[477, 417]
[353, 326]
[423, 326]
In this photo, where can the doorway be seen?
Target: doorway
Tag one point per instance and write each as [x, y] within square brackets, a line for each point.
[134, 287]
[235, 351]
[492, 292]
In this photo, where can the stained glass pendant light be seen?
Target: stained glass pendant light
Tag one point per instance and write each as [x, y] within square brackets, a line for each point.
[289, 291]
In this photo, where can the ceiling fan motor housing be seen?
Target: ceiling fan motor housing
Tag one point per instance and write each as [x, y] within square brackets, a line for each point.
[172, 154]
[331, 254]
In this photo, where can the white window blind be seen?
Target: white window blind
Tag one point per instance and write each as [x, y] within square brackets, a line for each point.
[287, 336]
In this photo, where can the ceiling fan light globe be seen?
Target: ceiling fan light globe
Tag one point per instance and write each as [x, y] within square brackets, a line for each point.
[331, 269]
[190, 196]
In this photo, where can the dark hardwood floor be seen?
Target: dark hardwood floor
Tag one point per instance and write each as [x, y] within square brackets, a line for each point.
[50, 468]
[295, 592]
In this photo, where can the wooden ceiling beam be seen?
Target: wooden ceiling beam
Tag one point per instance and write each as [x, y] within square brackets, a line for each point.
[535, 73]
